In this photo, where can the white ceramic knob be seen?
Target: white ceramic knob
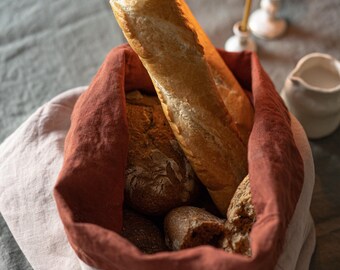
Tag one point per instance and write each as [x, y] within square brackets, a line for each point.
[241, 40]
[264, 23]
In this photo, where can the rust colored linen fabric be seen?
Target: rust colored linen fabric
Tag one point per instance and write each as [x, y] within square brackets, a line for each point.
[89, 189]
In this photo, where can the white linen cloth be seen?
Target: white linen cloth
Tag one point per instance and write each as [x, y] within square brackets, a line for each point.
[300, 236]
[31, 158]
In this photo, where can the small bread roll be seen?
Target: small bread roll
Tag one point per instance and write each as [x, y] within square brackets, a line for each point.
[241, 217]
[142, 232]
[189, 226]
[158, 176]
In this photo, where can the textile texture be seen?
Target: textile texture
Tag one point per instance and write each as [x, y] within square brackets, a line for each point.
[89, 191]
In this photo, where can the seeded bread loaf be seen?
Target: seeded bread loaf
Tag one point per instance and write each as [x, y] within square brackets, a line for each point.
[158, 175]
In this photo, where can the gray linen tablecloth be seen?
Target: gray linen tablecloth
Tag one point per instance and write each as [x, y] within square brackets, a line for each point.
[47, 47]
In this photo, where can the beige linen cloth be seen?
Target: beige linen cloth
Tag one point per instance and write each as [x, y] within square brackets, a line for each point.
[31, 158]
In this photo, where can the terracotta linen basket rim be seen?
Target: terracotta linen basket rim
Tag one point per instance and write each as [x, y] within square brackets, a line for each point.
[91, 239]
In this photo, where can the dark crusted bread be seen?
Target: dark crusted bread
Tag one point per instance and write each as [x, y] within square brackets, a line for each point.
[158, 176]
[142, 232]
[240, 219]
[189, 226]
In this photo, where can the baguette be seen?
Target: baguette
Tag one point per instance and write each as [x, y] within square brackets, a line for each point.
[233, 97]
[182, 65]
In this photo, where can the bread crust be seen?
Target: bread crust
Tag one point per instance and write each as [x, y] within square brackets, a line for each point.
[232, 94]
[241, 217]
[189, 226]
[142, 232]
[169, 47]
[158, 175]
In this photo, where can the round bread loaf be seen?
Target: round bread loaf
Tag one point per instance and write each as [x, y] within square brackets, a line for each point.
[158, 176]
[189, 226]
[142, 232]
[241, 217]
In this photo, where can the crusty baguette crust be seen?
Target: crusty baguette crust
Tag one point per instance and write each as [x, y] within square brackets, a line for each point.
[234, 98]
[168, 46]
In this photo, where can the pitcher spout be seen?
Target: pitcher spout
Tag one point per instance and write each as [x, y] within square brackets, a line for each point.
[312, 93]
[319, 72]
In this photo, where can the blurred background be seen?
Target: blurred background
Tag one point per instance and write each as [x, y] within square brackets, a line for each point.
[47, 47]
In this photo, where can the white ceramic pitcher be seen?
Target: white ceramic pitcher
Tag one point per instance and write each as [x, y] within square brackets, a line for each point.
[312, 93]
